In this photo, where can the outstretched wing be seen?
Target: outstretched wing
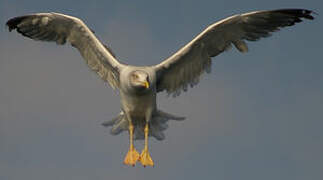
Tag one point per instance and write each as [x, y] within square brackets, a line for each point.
[61, 28]
[184, 68]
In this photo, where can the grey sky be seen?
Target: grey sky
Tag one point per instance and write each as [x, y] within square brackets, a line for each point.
[257, 116]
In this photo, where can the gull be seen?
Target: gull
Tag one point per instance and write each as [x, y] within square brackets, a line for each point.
[138, 85]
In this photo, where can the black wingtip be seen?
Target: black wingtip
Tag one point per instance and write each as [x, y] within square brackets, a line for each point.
[308, 14]
[299, 13]
[13, 23]
[10, 25]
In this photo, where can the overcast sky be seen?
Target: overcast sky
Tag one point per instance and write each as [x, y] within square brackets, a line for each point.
[256, 116]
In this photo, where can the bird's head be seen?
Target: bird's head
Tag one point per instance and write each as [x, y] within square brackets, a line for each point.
[139, 80]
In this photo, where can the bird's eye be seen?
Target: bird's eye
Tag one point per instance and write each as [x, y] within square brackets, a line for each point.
[135, 76]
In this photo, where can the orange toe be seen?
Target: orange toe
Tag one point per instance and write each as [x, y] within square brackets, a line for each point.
[132, 157]
[145, 158]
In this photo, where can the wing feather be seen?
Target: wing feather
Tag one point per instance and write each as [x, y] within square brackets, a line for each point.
[60, 28]
[185, 67]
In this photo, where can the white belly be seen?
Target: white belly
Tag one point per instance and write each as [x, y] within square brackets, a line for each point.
[138, 106]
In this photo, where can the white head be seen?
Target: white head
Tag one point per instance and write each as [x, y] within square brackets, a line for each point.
[139, 80]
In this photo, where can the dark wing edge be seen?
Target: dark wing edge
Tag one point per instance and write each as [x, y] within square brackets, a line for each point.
[184, 68]
[62, 28]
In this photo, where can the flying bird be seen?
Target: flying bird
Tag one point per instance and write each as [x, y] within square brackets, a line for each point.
[138, 85]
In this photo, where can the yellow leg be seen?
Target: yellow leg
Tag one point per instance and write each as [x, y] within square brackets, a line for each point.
[145, 158]
[132, 156]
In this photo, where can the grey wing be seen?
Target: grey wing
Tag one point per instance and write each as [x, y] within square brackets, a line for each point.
[185, 67]
[61, 28]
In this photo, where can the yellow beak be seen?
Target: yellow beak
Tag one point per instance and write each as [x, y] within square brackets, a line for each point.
[146, 84]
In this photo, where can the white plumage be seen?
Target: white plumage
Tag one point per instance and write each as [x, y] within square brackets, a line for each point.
[139, 85]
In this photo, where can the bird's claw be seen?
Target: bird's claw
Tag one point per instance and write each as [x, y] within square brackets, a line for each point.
[145, 158]
[132, 157]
